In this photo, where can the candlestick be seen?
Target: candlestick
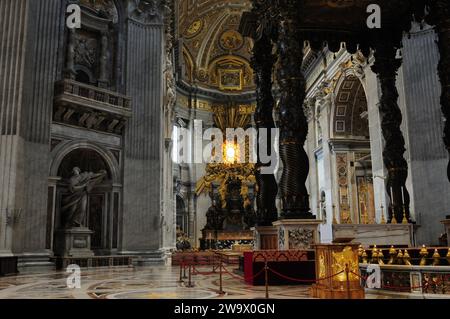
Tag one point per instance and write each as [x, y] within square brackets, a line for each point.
[334, 215]
[394, 220]
[383, 220]
[405, 220]
[392, 197]
[403, 196]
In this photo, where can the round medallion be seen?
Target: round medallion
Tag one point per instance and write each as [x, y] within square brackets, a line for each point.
[231, 40]
[195, 28]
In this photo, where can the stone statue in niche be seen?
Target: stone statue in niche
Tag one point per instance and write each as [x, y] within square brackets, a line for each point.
[74, 205]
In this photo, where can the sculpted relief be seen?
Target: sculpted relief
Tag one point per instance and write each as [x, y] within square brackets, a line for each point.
[146, 11]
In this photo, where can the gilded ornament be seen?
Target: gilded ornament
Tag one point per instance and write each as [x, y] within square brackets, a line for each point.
[392, 254]
[340, 260]
[406, 258]
[436, 258]
[322, 266]
[364, 257]
[360, 252]
[400, 257]
[231, 40]
[380, 257]
[424, 254]
[374, 254]
[195, 28]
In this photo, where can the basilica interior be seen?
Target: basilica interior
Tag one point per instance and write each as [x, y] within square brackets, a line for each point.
[116, 154]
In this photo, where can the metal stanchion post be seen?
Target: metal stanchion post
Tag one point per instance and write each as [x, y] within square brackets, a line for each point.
[181, 273]
[347, 270]
[184, 271]
[190, 285]
[220, 278]
[266, 275]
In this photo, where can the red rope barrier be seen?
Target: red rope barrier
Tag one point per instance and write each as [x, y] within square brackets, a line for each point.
[196, 272]
[303, 280]
[242, 278]
[233, 275]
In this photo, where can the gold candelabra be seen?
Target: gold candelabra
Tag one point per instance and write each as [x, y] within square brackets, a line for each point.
[380, 257]
[364, 257]
[400, 257]
[374, 255]
[436, 258]
[335, 222]
[424, 254]
[392, 254]
[383, 219]
[405, 220]
[393, 220]
[406, 258]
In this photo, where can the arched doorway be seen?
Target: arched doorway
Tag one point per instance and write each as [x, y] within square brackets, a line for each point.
[352, 151]
[103, 201]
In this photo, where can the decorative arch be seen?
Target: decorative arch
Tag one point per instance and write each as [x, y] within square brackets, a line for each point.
[188, 65]
[64, 149]
[209, 30]
[349, 117]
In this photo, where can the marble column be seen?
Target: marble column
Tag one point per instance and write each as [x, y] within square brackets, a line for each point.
[142, 221]
[293, 122]
[30, 33]
[267, 188]
[440, 12]
[386, 67]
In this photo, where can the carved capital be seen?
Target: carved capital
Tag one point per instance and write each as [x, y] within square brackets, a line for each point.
[147, 11]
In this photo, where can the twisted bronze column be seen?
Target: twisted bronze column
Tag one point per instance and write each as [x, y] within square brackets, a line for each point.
[386, 67]
[440, 17]
[293, 122]
[262, 62]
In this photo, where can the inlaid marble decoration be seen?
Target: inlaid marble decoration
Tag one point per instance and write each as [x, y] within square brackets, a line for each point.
[281, 238]
[301, 238]
[155, 282]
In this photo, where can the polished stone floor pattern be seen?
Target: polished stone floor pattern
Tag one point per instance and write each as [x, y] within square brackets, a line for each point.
[157, 282]
[138, 283]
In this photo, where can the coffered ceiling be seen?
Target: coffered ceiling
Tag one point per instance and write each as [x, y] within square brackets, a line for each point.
[215, 55]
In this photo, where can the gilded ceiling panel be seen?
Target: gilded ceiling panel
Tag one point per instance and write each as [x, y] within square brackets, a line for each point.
[216, 55]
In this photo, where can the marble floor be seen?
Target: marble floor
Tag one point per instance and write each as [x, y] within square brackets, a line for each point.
[158, 282]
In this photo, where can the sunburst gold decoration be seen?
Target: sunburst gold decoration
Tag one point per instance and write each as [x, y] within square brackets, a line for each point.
[233, 117]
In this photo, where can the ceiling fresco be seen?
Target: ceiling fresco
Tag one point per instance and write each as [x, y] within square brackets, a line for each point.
[215, 55]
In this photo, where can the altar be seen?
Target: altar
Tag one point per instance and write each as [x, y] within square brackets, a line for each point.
[225, 240]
